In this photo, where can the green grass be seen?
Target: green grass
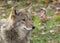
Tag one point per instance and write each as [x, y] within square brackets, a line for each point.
[48, 37]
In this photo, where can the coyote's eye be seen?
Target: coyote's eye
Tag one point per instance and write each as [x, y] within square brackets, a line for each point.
[23, 19]
[29, 19]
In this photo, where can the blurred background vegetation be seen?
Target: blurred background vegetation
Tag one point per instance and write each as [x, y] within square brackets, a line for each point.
[45, 15]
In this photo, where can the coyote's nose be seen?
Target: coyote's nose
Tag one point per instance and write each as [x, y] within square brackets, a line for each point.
[33, 27]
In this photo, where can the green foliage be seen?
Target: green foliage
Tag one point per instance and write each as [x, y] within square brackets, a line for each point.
[57, 18]
[50, 24]
[48, 37]
[36, 20]
[49, 12]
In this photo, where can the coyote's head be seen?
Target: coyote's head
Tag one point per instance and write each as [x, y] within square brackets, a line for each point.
[21, 18]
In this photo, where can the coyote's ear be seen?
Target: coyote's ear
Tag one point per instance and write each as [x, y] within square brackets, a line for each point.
[28, 9]
[15, 11]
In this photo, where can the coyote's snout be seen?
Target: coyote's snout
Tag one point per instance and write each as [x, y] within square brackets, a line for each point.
[18, 27]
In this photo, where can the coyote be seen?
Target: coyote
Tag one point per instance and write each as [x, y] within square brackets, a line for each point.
[18, 28]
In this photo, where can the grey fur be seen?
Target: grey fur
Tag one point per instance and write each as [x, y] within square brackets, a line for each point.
[12, 30]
